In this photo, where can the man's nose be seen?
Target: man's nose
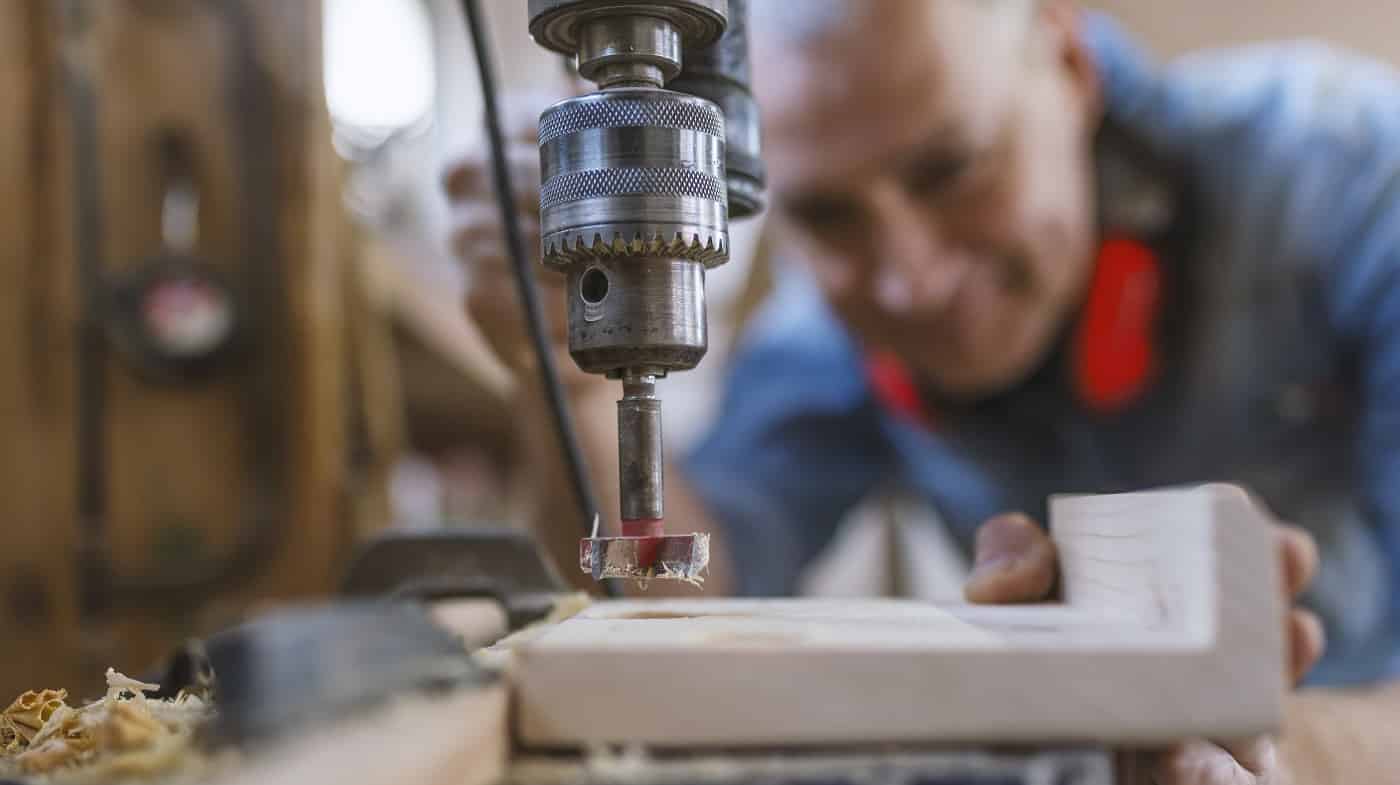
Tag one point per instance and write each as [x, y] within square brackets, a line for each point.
[916, 265]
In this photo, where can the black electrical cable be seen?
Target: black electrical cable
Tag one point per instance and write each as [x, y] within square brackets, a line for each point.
[524, 278]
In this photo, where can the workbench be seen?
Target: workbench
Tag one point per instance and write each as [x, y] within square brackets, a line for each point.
[1168, 628]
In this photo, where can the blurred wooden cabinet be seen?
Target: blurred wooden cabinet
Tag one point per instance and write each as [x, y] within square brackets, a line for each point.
[166, 168]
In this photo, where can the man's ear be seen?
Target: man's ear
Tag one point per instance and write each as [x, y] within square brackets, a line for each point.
[1063, 24]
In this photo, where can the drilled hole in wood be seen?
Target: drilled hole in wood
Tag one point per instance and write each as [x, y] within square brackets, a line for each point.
[655, 615]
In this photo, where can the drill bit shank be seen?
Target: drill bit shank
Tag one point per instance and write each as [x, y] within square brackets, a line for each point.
[640, 479]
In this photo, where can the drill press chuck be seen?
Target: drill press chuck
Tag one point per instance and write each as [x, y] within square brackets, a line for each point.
[632, 210]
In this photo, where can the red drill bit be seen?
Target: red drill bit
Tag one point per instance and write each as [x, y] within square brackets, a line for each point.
[645, 551]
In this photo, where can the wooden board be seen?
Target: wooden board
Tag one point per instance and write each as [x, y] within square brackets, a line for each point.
[460, 738]
[1171, 627]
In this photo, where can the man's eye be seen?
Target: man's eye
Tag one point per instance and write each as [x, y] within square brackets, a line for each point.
[824, 214]
[937, 176]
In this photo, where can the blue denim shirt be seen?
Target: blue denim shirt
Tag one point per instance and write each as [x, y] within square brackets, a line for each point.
[1284, 375]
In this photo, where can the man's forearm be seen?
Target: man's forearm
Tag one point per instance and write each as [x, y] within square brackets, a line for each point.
[543, 489]
[1334, 736]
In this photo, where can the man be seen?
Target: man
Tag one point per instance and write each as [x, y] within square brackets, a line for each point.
[1030, 262]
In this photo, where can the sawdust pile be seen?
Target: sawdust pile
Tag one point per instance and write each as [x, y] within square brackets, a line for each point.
[123, 735]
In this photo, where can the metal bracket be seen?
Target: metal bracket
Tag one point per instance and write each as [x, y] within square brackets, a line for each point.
[502, 564]
[296, 668]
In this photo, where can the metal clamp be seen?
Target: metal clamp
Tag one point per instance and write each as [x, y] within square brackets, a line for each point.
[504, 565]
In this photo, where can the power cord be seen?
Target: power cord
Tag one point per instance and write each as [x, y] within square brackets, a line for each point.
[524, 278]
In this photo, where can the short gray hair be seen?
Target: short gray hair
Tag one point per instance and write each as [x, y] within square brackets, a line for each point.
[818, 18]
[815, 19]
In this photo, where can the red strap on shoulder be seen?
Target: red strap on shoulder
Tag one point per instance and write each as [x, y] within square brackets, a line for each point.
[1115, 350]
[895, 389]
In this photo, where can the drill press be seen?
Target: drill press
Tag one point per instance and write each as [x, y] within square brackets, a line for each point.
[634, 208]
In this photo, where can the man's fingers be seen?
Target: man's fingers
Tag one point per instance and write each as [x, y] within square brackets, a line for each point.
[478, 240]
[1306, 642]
[493, 300]
[1015, 562]
[1298, 553]
[464, 176]
[1200, 762]
[1306, 638]
[471, 177]
[493, 297]
[1257, 754]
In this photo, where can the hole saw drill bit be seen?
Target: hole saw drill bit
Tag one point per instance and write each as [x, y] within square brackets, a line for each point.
[644, 551]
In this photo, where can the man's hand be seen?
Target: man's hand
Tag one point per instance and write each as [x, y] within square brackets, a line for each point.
[1016, 562]
[478, 239]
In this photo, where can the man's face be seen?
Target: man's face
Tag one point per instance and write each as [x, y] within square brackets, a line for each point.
[931, 159]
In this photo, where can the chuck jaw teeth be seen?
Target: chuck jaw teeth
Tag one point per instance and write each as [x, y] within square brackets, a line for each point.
[566, 248]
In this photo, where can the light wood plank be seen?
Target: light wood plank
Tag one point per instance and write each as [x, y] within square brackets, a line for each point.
[456, 739]
[1171, 627]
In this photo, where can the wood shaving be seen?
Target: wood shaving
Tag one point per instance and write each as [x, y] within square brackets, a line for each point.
[10, 740]
[118, 683]
[123, 735]
[28, 713]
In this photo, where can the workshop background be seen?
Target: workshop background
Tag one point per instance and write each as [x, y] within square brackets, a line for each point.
[339, 389]
[888, 547]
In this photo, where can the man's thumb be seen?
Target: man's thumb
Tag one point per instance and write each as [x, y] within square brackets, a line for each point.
[1015, 562]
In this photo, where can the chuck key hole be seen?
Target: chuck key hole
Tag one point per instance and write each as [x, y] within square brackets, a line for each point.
[593, 287]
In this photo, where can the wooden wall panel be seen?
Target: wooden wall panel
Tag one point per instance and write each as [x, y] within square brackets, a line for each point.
[180, 460]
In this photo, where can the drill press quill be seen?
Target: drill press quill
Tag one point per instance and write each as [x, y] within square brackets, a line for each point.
[638, 187]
